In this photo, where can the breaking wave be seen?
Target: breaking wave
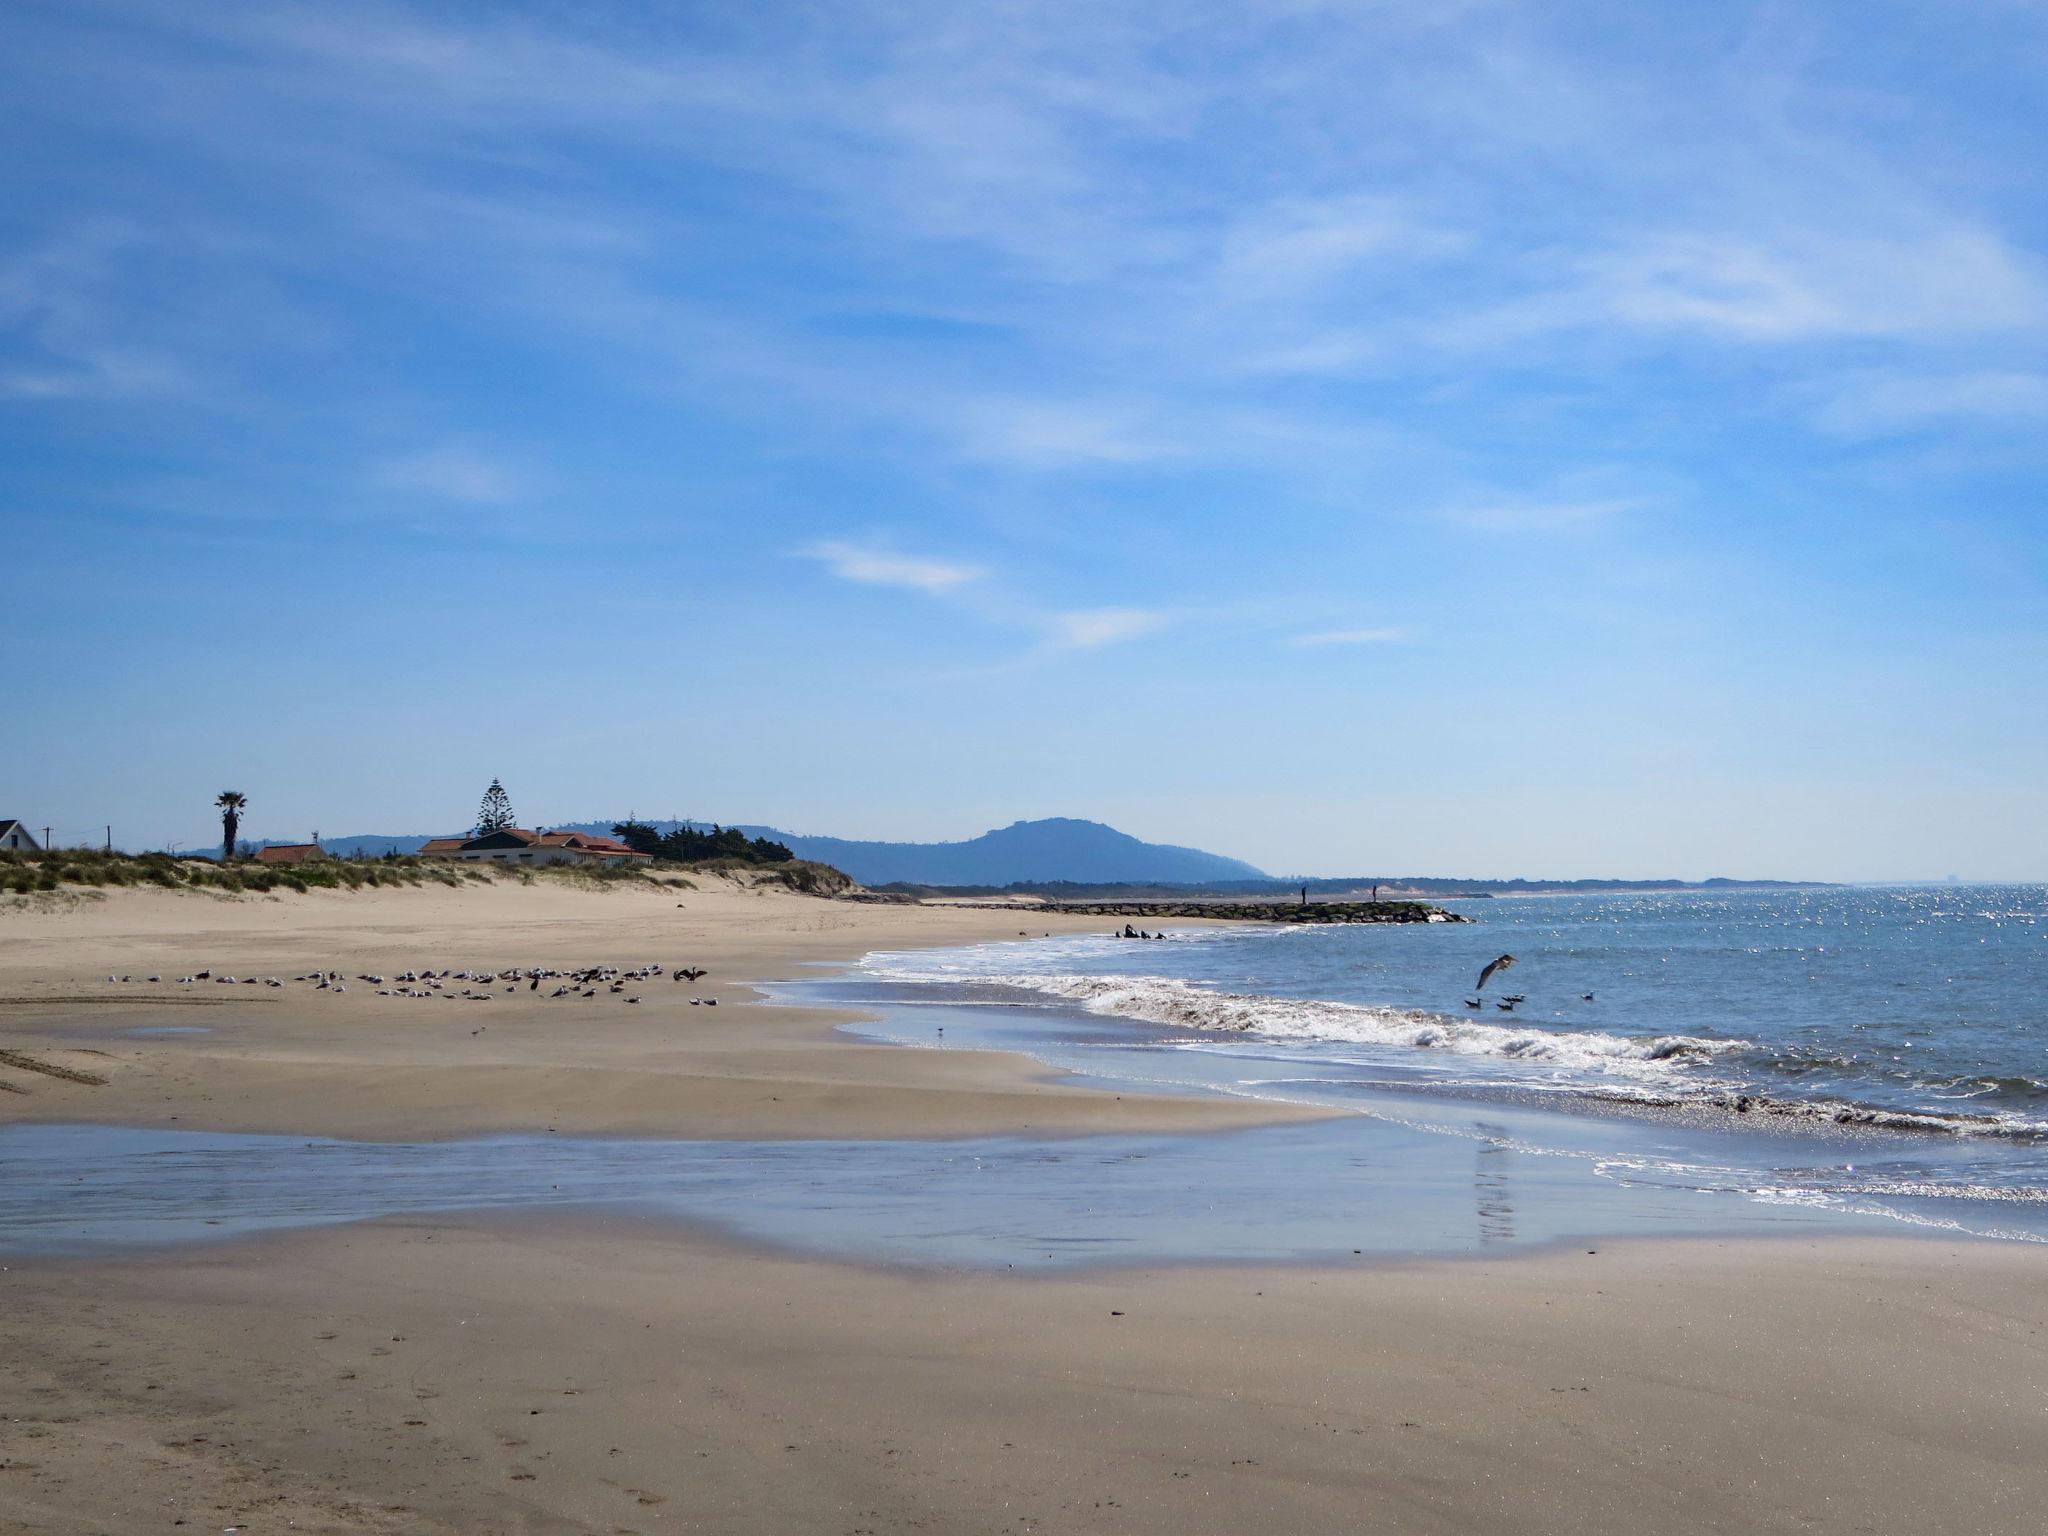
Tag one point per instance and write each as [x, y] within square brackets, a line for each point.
[1184, 1005]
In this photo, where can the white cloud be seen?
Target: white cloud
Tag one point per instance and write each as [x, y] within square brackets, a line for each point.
[1080, 629]
[1354, 637]
[454, 474]
[1087, 629]
[883, 568]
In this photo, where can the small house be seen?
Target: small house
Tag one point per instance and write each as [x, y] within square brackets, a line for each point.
[14, 837]
[516, 845]
[290, 853]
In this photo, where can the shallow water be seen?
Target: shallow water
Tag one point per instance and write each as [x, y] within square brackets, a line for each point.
[1334, 1190]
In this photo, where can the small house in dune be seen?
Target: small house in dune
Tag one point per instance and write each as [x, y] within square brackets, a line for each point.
[14, 837]
[290, 853]
[516, 845]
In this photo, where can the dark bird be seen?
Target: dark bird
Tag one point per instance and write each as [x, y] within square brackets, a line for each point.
[1585, 997]
[1505, 1007]
[1492, 966]
[1475, 1002]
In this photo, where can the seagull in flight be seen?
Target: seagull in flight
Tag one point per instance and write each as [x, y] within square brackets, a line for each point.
[1492, 967]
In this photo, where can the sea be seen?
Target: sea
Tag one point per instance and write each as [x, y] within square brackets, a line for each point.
[1874, 1052]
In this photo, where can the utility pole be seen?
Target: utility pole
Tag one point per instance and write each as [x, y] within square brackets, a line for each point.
[110, 839]
[46, 837]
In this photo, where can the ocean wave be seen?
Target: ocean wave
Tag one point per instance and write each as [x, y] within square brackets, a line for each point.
[1831, 1111]
[1184, 1005]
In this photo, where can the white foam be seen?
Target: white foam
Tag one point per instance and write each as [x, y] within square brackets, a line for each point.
[1186, 1005]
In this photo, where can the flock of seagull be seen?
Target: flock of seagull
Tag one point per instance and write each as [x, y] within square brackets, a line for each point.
[482, 986]
[1508, 1001]
[479, 986]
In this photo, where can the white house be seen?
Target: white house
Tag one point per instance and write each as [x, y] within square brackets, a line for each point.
[13, 835]
[516, 845]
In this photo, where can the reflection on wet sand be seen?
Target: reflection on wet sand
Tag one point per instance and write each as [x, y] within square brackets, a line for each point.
[1492, 1191]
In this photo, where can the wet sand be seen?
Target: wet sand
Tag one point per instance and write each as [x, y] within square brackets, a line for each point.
[606, 1377]
[578, 1373]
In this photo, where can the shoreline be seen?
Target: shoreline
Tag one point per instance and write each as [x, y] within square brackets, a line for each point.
[605, 1371]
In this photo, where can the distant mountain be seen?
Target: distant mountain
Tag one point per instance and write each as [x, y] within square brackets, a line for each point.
[1084, 860]
[1059, 848]
[376, 844]
[1362, 887]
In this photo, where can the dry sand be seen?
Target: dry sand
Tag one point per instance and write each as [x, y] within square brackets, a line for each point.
[476, 1375]
[359, 1065]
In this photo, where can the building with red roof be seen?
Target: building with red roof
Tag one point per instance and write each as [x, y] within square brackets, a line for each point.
[516, 845]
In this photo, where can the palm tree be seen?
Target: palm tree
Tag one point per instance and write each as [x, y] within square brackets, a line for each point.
[231, 804]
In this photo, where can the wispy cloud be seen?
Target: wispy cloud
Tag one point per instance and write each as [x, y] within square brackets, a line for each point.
[886, 568]
[1864, 405]
[1540, 516]
[1048, 174]
[70, 340]
[968, 587]
[1949, 280]
[1091, 628]
[1355, 637]
[1305, 246]
[454, 473]
[1047, 434]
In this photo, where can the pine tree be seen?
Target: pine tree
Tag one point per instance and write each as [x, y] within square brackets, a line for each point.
[496, 814]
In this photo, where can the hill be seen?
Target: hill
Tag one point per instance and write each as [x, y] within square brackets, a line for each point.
[1059, 848]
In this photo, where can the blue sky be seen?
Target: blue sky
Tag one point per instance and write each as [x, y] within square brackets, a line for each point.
[1481, 438]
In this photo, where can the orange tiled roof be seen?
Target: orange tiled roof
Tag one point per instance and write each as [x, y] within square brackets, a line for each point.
[288, 853]
[585, 840]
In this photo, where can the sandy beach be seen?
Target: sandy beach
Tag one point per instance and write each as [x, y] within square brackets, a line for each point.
[358, 1065]
[594, 1373]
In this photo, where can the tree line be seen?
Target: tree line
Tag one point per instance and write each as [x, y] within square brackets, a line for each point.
[688, 845]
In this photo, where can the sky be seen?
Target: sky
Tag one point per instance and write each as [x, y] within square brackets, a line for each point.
[1482, 438]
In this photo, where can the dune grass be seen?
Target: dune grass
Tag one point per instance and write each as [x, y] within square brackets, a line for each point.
[24, 873]
[48, 871]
